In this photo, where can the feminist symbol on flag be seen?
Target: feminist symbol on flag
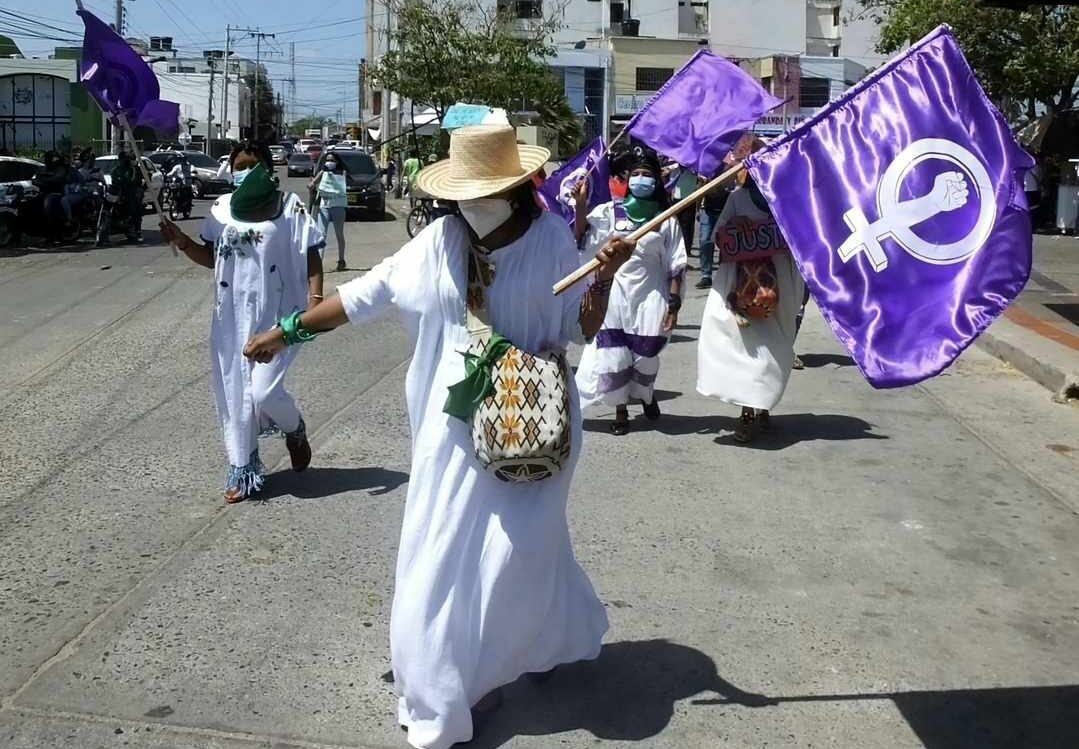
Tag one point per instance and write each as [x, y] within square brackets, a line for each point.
[950, 194]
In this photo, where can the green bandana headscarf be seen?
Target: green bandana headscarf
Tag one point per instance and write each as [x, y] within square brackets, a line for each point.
[638, 210]
[254, 192]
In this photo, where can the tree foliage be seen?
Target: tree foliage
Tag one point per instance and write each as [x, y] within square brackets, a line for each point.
[309, 122]
[1020, 57]
[449, 51]
[262, 97]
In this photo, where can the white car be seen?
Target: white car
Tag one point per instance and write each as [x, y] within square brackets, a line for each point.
[346, 144]
[16, 171]
[157, 180]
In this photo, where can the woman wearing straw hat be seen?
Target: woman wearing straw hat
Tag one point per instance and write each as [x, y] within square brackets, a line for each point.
[487, 586]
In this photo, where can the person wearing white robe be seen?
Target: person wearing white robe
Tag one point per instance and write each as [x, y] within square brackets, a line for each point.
[487, 587]
[266, 265]
[621, 362]
[748, 366]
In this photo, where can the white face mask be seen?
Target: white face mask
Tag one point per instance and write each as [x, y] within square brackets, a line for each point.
[238, 177]
[485, 215]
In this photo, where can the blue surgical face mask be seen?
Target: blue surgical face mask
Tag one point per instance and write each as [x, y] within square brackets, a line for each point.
[240, 176]
[642, 186]
[331, 165]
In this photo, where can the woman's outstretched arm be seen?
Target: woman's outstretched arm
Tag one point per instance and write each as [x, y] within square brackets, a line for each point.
[321, 318]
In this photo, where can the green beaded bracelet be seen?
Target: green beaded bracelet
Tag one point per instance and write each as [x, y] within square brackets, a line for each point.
[293, 331]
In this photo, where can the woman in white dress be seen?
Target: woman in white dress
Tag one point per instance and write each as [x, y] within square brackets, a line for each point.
[487, 586]
[266, 255]
[621, 362]
[748, 365]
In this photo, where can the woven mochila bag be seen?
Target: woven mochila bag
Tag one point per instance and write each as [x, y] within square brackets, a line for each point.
[517, 401]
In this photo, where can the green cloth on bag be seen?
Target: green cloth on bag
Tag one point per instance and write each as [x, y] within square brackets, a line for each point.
[467, 395]
[639, 210]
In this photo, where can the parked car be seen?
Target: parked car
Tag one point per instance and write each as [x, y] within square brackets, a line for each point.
[363, 182]
[157, 180]
[279, 154]
[353, 144]
[204, 168]
[17, 171]
[300, 165]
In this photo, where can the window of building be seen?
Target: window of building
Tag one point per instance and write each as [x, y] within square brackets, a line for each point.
[766, 82]
[815, 92]
[521, 8]
[617, 12]
[835, 16]
[652, 79]
[835, 51]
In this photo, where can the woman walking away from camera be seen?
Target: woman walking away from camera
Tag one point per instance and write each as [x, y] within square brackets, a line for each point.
[330, 182]
[621, 363]
[265, 252]
[487, 586]
[746, 347]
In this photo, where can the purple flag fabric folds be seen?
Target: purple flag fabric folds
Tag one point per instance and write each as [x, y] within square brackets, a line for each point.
[120, 81]
[903, 206]
[701, 112]
[557, 190]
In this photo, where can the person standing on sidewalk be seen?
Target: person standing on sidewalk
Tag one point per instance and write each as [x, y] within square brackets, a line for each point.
[741, 361]
[265, 252]
[487, 586]
[410, 169]
[621, 362]
[711, 208]
[331, 186]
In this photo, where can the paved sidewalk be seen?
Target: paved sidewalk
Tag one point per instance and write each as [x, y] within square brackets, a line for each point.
[1039, 334]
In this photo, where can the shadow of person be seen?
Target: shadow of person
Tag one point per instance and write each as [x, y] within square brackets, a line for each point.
[790, 429]
[627, 694]
[813, 361]
[317, 483]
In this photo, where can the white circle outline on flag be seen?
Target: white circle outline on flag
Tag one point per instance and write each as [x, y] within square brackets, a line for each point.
[892, 181]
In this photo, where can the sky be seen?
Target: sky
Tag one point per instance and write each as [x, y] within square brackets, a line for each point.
[329, 38]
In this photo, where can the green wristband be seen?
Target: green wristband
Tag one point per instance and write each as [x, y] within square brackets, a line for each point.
[293, 331]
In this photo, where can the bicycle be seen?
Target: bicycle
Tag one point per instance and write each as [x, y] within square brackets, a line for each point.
[424, 211]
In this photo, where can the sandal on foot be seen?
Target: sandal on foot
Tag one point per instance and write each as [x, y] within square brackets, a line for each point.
[764, 420]
[341, 266]
[744, 432]
[233, 495]
[651, 410]
[620, 428]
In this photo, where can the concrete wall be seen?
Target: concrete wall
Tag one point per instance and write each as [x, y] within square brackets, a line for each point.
[191, 92]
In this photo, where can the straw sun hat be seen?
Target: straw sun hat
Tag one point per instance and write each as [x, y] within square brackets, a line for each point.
[484, 160]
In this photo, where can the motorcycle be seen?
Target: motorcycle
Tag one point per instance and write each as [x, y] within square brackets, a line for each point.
[176, 198]
[23, 216]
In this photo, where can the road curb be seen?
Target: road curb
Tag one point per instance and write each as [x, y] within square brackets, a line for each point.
[1049, 364]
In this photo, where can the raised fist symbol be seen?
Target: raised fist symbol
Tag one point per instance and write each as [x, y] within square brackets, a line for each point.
[950, 191]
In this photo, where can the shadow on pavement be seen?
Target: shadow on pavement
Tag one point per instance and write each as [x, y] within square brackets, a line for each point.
[812, 361]
[627, 694]
[786, 430]
[317, 483]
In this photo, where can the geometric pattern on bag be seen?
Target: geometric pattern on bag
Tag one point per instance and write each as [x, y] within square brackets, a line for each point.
[521, 432]
[756, 289]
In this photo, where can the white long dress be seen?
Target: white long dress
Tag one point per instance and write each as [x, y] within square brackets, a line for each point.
[748, 366]
[622, 362]
[487, 587]
[260, 276]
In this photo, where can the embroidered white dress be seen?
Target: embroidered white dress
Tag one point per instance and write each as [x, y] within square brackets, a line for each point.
[748, 366]
[260, 275]
[621, 363]
[487, 587]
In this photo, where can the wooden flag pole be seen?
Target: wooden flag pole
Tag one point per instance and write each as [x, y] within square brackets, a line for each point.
[142, 168]
[593, 265]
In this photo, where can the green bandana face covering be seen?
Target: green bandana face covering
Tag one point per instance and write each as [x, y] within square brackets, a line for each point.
[253, 193]
[639, 210]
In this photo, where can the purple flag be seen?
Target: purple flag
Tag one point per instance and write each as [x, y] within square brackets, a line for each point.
[120, 81]
[904, 209]
[557, 190]
[701, 112]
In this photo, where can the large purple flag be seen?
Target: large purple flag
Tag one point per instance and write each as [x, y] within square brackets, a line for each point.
[591, 163]
[701, 112]
[120, 81]
[903, 206]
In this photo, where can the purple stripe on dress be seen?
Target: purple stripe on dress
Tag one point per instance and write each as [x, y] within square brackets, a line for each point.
[611, 381]
[678, 272]
[641, 345]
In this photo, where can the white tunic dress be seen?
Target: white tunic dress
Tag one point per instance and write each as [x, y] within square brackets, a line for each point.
[748, 366]
[621, 363]
[260, 275]
[487, 587]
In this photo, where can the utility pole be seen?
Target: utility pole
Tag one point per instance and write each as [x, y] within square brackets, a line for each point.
[386, 93]
[225, 85]
[259, 36]
[363, 127]
[210, 105]
[292, 81]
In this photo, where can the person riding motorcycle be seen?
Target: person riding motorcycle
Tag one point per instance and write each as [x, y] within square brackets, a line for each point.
[52, 181]
[178, 177]
[127, 182]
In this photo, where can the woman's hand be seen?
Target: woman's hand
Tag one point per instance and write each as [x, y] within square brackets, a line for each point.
[612, 255]
[264, 346]
[171, 233]
[669, 321]
[580, 194]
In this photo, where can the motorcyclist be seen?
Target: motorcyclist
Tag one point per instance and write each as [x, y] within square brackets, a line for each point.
[80, 180]
[52, 181]
[180, 171]
[128, 183]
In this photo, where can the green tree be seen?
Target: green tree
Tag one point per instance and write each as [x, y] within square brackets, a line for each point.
[307, 123]
[1021, 58]
[262, 98]
[449, 51]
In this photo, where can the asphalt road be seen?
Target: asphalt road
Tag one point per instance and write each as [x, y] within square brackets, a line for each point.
[888, 569]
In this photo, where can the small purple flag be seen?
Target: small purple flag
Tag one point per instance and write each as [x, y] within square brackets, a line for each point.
[120, 81]
[701, 112]
[557, 190]
[903, 206]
